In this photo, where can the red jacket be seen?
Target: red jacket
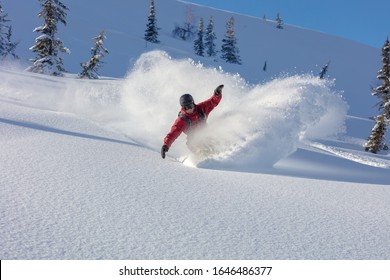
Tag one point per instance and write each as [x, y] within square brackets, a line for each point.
[181, 124]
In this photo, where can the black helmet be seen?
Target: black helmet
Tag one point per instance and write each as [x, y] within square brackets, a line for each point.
[186, 99]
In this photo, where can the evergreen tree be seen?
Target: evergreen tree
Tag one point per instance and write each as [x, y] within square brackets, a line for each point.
[229, 50]
[151, 32]
[279, 21]
[376, 141]
[383, 91]
[198, 43]
[97, 53]
[7, 47]
[210, 37]
[3, 31]
[48, 46]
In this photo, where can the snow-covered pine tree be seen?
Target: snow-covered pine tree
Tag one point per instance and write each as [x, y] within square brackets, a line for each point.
[198, 43]
[3, 30]
[376, 141]
[7, 47]
[48, 46]
[210, 37]
[383, 91]
[229, 50]
[279, 21]
[97, 53]
[151, 32]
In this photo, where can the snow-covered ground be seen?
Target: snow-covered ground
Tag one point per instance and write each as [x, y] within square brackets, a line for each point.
[81, 176]
[88, 182]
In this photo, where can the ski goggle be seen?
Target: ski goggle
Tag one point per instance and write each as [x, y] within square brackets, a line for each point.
[188, 106]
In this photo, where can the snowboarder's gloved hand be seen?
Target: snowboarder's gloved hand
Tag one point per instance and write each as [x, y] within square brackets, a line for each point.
[164, 149]
[218, 90]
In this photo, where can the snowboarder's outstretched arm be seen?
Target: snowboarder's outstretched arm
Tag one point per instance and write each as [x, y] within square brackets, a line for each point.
[209, 104]
[177, 128]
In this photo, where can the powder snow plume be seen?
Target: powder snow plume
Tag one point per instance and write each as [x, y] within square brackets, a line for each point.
[253, 127]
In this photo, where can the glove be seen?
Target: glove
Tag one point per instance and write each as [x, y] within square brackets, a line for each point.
[164, 149]
[218, 90]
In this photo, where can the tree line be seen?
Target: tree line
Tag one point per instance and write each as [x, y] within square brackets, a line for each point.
[204, 43]
[48, 47]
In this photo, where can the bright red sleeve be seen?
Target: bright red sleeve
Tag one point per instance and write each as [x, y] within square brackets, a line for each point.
[208, 105]
[177, 128]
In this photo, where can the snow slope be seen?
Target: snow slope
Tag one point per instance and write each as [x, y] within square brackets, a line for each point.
[82, 178]
[74, 186]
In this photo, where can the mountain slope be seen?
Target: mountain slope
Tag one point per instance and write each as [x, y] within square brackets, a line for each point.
[82, 177]
[76, 186]
[292, 50]
[72, 190]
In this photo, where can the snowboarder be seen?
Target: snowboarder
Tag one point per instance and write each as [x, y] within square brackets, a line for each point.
[191, 116]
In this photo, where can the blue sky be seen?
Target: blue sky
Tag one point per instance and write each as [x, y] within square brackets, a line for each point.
[365, 21]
